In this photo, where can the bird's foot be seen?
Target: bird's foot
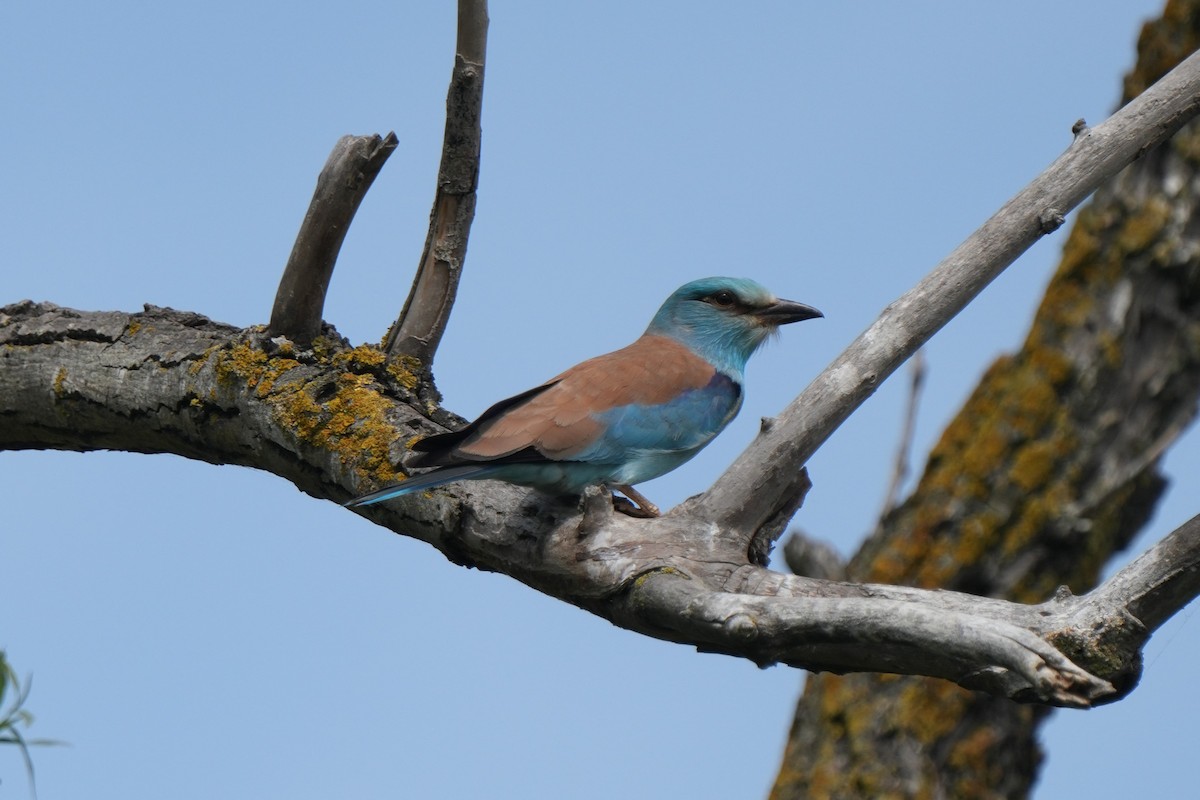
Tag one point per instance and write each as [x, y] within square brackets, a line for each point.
[643, 508]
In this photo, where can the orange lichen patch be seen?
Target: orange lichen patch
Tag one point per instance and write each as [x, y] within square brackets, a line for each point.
[935, 564]
[1090, 263]
[1163, 43]
[1034, 464]
[1067, 304]
[855, 712]
[1083, 243]
[974, 764]
[979, 494]
[1186, 143]
[973, 750]
[242, 362]
[350, 420]
[1144, 226]
[848, 714]
[1014, 403]
[198, 364]
[1052, 364]
[1030, 522]
[927, 710]
[847, 692]
[322, 348]
[896, 564]
[406, 371]
[259, 370]
[364, 357]
[1110, 349]
[990, 443]
[353, 423]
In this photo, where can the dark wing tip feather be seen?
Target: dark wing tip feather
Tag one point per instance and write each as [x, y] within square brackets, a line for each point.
[438, 450]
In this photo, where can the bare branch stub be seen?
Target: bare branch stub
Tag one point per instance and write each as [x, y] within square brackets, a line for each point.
[344, 180]
[419, 329]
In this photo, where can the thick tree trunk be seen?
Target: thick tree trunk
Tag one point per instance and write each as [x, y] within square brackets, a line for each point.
[1049, 469]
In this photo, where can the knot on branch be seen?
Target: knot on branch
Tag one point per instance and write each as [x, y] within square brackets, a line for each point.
[742, 627]
[1050, 220]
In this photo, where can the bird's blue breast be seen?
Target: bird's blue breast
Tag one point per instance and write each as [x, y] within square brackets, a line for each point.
[645, 441]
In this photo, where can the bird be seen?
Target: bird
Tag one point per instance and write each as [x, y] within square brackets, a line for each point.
[622, 418]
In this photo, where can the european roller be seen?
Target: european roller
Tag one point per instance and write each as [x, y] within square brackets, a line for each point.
[621, 418]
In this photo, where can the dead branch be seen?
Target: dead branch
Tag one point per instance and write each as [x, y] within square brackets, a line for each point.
[341, 186]
[418, 330]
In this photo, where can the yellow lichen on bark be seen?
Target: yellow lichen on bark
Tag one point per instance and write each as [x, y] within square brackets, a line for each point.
[352, 417]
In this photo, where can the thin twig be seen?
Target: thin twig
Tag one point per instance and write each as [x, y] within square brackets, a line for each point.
[903, 463]
[341, 186]
[418, 330]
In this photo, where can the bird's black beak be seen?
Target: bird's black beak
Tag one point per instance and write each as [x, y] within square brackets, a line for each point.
[781, 312]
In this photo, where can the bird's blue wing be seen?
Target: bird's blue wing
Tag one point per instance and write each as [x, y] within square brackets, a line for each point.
[683, 424]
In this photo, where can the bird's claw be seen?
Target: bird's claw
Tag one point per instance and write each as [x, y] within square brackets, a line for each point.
[636, 505]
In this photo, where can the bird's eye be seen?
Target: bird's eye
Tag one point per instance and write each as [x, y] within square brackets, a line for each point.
[722, 299]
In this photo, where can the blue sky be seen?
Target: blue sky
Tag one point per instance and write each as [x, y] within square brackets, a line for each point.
[199, 631]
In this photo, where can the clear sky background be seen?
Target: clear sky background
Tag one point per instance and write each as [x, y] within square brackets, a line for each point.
[198, 631]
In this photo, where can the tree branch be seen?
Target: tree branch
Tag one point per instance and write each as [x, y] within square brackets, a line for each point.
[323, 420]
[1158, 583]
[419, 329]
[341, 186]
[853, 634]
[763, 479]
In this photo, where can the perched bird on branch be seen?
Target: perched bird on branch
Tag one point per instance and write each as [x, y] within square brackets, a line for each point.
[621, 418]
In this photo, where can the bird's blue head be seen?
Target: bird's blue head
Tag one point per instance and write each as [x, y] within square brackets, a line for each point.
[725, 320]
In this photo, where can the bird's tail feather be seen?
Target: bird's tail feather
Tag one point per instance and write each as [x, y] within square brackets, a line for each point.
[429, 480]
